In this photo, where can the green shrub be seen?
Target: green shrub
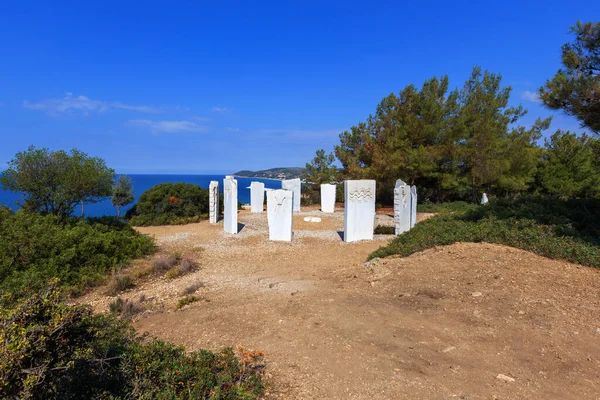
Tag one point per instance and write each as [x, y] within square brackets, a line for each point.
[35, 248]
[454, 206]
[170, 204]
[549, 227]
[173, 273]
[56, 351]
[51, 350]
[384, 230]
[160, 370]
[184, 301]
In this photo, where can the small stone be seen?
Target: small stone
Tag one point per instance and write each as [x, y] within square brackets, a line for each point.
[505, 378]
[476, 294]
[447, 349]
[597, 330]
[521, 312]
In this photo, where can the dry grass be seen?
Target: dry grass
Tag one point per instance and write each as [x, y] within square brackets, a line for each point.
[193, 288]
[164, 263]
[125, 308]
[187, 265]
[119, 283]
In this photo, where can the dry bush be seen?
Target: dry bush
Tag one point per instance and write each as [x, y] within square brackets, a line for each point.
[164, 263]
[187, 265]
[118, 283]
[193, 288]
[125, 308]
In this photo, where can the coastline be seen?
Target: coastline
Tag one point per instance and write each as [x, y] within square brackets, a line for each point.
[257, 177]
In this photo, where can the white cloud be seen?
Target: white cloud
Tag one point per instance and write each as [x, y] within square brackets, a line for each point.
[70, 103]
[168, 126]
[530, 96]
[220, 109]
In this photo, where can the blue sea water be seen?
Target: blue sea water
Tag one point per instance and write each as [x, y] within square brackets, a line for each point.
[141, 183]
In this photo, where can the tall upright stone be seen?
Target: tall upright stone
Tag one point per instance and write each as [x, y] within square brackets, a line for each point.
[359, 210]
[280, 212]
[294, 185]
[413, 206]
[484, 199]
[402, 207]
[213, 202]
[328, 198]
[230, 188]
[257, 197]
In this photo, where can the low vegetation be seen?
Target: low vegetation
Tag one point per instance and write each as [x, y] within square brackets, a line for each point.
[384, 230]
[184, 301]
[164, 263]
[125, 308]
[193, 288]
[560, 229]
[52, 350]
[453, 206]
[119, 283]
[36, 248]
[170, 204]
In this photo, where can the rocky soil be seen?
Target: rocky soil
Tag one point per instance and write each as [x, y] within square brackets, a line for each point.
[470, 321]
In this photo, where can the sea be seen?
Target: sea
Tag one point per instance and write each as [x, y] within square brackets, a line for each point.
[141, 183]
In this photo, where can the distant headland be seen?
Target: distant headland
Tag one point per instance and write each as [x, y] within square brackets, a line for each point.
[273, 173]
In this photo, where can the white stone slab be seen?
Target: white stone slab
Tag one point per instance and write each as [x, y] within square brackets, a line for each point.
[484, 199]
[230, 213]
[295, 186]
[413, 206]
[359, 210]
[402, 207]
[327, 198]
[257, 197]
[280, 205]
[312, 219]
[213, 202]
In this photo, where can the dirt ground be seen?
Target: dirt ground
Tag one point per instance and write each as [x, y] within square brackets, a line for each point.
[467, 321]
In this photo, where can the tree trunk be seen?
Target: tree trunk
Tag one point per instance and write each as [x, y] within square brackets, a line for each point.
[82, 209]
[118, 211]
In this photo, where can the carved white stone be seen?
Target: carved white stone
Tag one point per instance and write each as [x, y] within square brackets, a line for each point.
[327, 198]
[413, 206]
[213, 202]
[257, 197]
[359, 210]
[230, 203]
[294, 185]
[280, 214]
[484, 199]
[402, 207]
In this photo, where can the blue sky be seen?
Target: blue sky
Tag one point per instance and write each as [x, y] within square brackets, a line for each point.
[198, 87]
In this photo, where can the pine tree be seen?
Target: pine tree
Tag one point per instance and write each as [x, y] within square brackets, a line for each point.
[575, 89]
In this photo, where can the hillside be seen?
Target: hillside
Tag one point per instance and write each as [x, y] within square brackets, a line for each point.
[273, 173]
